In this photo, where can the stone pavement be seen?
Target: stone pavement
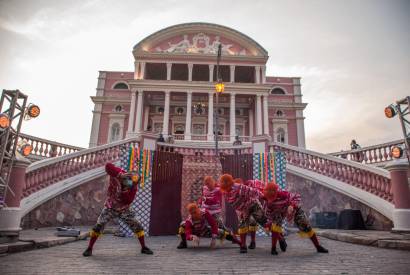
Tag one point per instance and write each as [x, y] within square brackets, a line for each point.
[44, 237]
[115, 255]
[385, 239]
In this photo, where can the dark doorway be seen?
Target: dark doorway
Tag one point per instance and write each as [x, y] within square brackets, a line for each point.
[166, 193]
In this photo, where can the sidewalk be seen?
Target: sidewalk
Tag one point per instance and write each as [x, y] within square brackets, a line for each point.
[382, 239]
[44, 237]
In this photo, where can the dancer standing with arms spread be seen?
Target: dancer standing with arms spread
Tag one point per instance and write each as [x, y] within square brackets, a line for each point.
[120, 194]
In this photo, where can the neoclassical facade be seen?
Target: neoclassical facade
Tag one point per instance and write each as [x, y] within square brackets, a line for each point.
[172, 91]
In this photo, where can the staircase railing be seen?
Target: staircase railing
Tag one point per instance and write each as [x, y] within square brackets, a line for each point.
[43, 148]
[371, 179]
[48, 171]
[371, 154]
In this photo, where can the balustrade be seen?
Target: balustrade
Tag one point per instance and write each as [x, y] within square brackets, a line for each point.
[371, 154]
[43, 148]
[371, 179]
[48, 171]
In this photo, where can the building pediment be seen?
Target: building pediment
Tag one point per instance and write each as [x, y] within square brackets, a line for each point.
[199, 39]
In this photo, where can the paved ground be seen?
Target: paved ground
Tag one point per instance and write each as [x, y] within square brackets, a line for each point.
[115, 255]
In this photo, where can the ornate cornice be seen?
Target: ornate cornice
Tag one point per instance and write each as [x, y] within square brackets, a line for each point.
[140, 50]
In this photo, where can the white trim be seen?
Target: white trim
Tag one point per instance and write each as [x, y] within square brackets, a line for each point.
[384, 207]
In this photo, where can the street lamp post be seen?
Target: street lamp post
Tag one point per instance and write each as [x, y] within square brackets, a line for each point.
[219, 88]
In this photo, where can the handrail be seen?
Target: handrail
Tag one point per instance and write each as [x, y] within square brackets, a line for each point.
[371, 179]
[49, 171]
[370, 154]
[45, 148]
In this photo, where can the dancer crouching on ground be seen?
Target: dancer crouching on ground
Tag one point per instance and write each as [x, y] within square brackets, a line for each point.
[201, 224]
[120, 194]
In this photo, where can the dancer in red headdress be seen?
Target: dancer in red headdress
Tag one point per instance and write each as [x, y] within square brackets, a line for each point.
[245, 200]
[280, 205]
[200, 223]
[121, 193]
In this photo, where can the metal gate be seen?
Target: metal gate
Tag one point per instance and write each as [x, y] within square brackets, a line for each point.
[166, 193]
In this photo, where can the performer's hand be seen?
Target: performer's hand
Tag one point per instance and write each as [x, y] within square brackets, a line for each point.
[290, 210]
[195, 241]
[213, 243]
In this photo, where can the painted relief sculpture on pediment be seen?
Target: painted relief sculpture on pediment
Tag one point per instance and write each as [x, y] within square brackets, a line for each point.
[200, 43]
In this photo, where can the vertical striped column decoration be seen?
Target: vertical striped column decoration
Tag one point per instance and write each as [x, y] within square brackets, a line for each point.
[270, 167]
[140, 161]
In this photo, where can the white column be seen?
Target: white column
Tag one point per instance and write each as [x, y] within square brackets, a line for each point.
[265, 115]
[136, 69]
[146, 117]
[232, 121]
[263, 74]
[169, 68]
[250, 122]
[257, 74]
[300, 120]
[142, 71]
[188, 122]
[190, 67]
[258, 115]
[211, 72]
[300, 128]
[132, 112]
[165, 124]
[95, 128]
[232, 73]
[138, 113]
[211, 116]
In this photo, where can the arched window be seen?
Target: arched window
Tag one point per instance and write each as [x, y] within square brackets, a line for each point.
[115, 132]
[279, 113]
[121, 86]
[280, 135]
[278, 91]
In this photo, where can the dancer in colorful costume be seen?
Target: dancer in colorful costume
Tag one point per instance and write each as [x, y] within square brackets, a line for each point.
[245, 200]
[253, 226]
[280, 205]
[121, 192]
[211, 200]
[200, 223]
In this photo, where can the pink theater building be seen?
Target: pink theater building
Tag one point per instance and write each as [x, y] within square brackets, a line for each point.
[172, 91]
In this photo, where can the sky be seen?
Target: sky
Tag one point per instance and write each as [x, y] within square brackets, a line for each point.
[353, 57]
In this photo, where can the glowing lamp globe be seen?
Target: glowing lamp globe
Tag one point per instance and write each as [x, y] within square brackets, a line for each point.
[397, 152]
[26, 149]
[33, 111]
[219, 87]
[4, 121]
[389, 111]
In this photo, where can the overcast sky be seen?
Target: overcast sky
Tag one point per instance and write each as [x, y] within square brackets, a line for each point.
[353, 57]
